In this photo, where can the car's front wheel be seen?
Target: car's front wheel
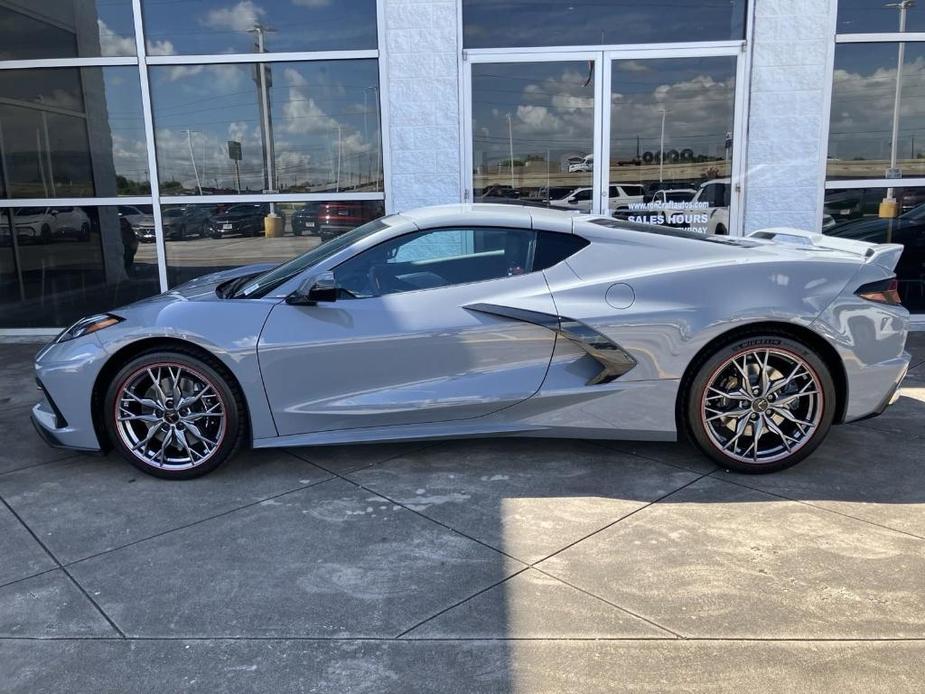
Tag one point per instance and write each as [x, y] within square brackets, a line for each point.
[760, 403]
[173, 415]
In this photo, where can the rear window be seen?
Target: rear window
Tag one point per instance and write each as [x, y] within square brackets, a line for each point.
[633, 190]
[553, 247]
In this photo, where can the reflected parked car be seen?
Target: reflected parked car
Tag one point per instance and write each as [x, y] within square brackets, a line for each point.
[48, 224]
[133, 213]
[498, 190]
[245, 219]
[305, 219]
[619, 195]
[577, 199]
[144, 228]
[182, 222]
[907, 229]
[852, 204]
[583, 165]
[335, 218]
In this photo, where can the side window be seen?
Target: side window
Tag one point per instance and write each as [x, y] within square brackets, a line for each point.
[553, 247]
[436, 258]
[583, 195]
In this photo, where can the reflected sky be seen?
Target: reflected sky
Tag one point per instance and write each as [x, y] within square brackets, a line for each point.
[697, 95]
[324, 122]
[504, 23]
[221, 26]
[868, 16]
[862, 103]
[551, 106]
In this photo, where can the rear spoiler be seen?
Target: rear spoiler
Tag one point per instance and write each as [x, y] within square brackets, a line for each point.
[886, 255]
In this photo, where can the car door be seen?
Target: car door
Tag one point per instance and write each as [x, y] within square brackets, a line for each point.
[406, 349]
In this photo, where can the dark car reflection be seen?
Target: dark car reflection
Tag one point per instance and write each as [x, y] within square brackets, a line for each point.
[909, 230]
[238, 220]
[305, 219]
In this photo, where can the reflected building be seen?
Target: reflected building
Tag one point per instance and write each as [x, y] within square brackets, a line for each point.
[722, 129]
[56, 141]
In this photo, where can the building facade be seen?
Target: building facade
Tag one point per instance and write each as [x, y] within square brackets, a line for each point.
[145, 142]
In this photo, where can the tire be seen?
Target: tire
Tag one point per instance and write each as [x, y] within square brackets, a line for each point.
[217, 235]
[792, 419]
[217, 416]
[45, 234]
[84, 232]
[721, 230]
[296, 232]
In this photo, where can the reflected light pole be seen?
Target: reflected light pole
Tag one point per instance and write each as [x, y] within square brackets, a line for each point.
[192, 158]
[661, 146]
[510, 140]
[369, 159]
[903, 6]
[259, 31]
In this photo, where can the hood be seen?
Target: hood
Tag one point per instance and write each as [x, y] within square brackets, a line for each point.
[203, 288]
[143, 219]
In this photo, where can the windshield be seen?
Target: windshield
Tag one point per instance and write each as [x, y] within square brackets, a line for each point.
[263, 283]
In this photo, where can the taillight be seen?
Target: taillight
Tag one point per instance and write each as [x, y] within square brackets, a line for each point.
[883, 292]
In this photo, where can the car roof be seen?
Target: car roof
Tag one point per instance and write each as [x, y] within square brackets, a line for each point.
[492, 214]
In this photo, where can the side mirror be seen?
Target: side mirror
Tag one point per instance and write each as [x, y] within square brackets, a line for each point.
[314, 290]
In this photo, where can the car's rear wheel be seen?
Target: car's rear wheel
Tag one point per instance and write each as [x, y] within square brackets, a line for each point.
[760, 403]
[173, 415]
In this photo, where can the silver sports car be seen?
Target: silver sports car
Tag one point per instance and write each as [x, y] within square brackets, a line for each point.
[492, 320]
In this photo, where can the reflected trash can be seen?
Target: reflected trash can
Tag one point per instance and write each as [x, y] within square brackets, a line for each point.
[273, 225]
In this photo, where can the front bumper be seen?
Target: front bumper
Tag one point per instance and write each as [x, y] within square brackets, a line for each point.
[66, 373]
[44, 423]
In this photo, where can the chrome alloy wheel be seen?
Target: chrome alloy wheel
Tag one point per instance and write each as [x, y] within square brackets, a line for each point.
[170, 416]
[762, 405]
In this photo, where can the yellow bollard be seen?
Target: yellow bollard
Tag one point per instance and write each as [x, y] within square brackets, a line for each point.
[889, 208]
[273, 226]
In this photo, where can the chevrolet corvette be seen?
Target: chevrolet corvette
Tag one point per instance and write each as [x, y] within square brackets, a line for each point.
[492, 320]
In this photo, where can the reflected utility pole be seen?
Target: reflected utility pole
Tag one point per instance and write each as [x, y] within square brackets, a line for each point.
[369, 157]
[510, 139]
[661, 147]
[263, 86]
[903, 6]
[192, 158]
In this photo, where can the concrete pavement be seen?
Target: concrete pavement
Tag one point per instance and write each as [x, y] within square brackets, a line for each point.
[486, 565]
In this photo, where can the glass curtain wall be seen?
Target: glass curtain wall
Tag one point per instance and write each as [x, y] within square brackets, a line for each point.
[221, 137]
[660, 116]
[875, 169]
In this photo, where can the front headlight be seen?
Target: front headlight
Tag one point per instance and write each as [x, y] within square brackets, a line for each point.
[88, 325]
